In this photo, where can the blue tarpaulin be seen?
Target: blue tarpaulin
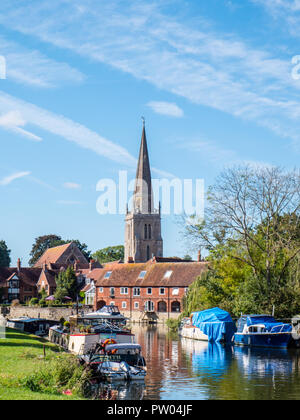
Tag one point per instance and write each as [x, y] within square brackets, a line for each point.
[215, 323]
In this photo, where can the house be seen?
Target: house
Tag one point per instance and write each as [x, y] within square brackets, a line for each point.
[158, 285]
[24, 283]
[18, 283]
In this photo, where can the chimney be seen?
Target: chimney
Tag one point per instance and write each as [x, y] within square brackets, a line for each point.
[91, 264]
[76, 265]
[199, 256]
[19, 265]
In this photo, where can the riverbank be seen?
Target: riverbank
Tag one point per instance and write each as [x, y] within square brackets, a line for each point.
[22, 357]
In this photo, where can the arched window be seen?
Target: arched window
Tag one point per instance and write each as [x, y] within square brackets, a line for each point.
[162, 306]
[148, 252]
[175, 306]
[149, 231]
[145, 232]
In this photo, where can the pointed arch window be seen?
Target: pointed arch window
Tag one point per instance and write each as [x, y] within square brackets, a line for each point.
[148, 252]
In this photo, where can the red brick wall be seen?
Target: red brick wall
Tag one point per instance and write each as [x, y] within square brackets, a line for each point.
[130, 300]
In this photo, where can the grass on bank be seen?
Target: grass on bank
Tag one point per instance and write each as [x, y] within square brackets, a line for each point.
[26, 375]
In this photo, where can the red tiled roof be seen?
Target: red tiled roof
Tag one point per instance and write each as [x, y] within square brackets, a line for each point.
[29, 276]
[183, 274]
[51, 255]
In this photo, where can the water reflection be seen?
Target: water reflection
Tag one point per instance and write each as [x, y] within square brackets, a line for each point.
[191, 370]
[117, 391]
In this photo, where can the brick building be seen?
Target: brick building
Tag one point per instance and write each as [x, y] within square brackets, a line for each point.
[155, 286]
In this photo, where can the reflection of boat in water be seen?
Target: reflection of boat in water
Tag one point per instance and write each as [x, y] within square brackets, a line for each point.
[214, 325]
[133, 391]
[208, 359]
[262, 331]
[262, 362]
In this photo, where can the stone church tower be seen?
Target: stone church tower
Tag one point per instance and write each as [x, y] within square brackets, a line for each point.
[143, 223]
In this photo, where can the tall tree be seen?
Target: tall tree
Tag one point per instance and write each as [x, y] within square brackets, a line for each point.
[41, 244]
[256, 212]
[67, 285]
[111, 253]
[4, 255]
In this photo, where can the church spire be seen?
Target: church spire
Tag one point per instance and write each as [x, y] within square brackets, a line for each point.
[143, 201]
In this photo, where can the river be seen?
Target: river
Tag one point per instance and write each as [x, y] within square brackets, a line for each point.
[183, 369]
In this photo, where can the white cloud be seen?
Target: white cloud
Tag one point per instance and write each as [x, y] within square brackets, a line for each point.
[166, 108]
[72, 185]
[66, 128]
[35, 69]
[9, 179]
[217, 70]
[13, 121]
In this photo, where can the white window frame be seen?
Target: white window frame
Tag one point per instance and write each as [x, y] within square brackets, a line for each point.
[134, 291]
[136, 305]
[124, 290]
[149, 288]
[164, 289]
[124, 305]
[175, 291]
[100, 289]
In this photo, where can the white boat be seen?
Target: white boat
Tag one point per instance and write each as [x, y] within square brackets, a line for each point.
[122, 362]
[80, 342]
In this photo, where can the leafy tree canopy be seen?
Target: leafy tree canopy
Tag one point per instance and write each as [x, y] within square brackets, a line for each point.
[252, 233]
[67, 285]
[4, 255]
[111, 253]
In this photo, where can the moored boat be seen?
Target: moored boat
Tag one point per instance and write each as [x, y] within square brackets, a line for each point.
[262, 331]
[115, 361]
[214, 325]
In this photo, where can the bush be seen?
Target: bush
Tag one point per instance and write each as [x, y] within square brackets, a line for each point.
[173, 324]
[33, 301]
[58, 375]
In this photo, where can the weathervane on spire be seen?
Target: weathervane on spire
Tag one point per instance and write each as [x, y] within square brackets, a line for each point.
[143, 119]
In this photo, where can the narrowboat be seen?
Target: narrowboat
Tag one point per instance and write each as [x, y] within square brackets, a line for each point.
[262, 331]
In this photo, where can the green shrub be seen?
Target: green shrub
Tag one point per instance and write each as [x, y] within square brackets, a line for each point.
[58, 375]
[33, 301]
[173, 324]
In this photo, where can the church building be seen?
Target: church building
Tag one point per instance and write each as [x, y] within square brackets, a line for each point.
[143, 223]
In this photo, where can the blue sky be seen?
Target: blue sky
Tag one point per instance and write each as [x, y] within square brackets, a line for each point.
[213, 79]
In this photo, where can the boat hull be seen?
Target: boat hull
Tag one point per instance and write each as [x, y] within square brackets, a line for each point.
[193, 333]
[275, 340]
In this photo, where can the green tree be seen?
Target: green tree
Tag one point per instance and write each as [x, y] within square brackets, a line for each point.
[67, 285]
[252, 233]
[4, 255]
[111, 253]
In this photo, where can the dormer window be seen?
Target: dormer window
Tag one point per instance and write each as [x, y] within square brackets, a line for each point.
[107, 274]
[168, 274]
[142, 274]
